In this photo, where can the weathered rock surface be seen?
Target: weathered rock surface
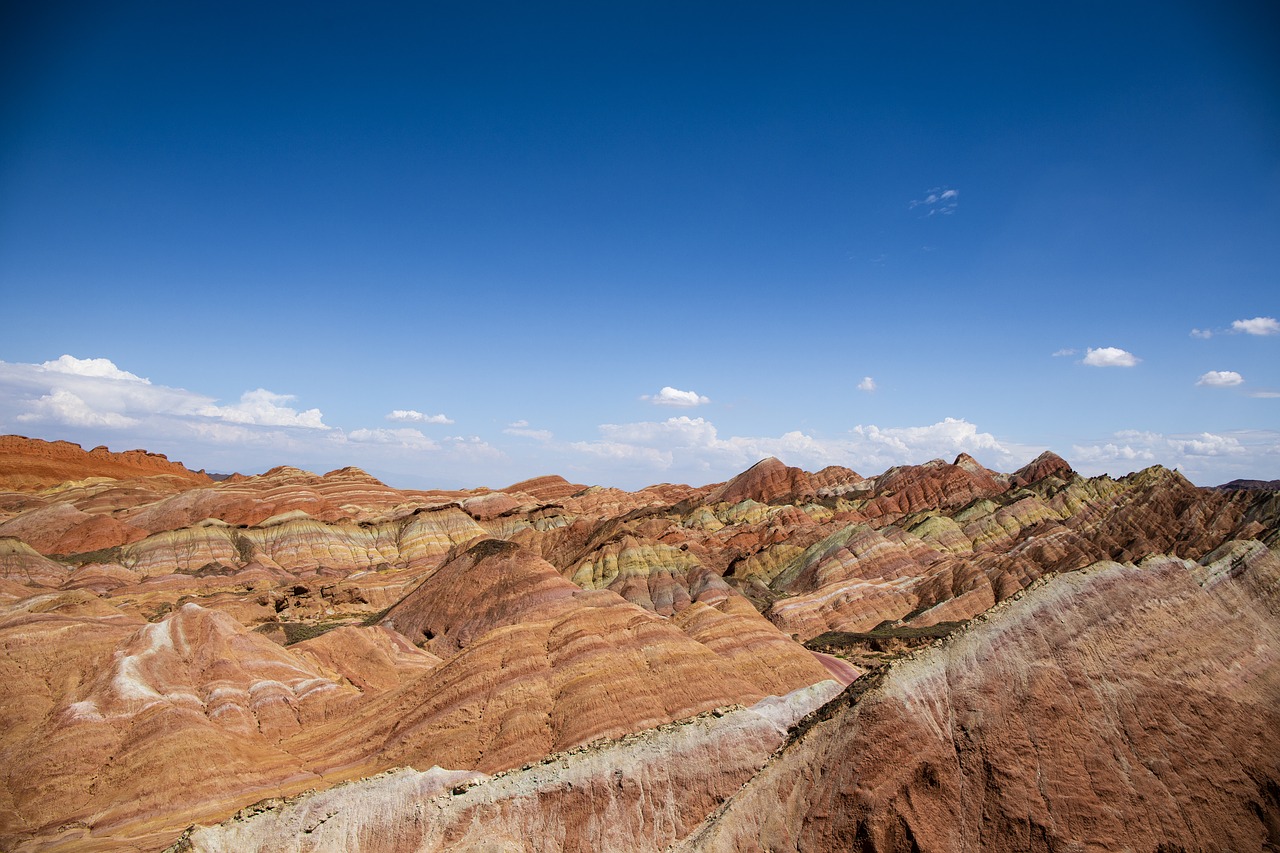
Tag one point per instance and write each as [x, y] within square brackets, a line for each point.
[639, 793]
[30, 464]
[174, 649]
[1116, 708]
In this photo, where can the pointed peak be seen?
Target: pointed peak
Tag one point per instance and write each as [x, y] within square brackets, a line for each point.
[1047, 464]
[764, 482]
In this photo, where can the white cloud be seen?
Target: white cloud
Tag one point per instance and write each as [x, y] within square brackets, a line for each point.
[80, 399]
[411, 416]
[101, 368]
[949, 437]
[522, 428]
[76, 392]
[1207, 444]
[938, 200]
[1110, 357]
[66, 408]
[1110, 452]
[690, 445]
[615, 451]
[87, 392]
[1065, 351]
[1265, 395]
[1202, 334]
[404, 437]
[1257, 326]
[472, 447]
[1220, 379]
[867, 384]
[669, 396]
[266, 408]
[1206, 458]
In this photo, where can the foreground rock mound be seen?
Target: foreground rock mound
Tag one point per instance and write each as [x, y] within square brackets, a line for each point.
[1075, 716]
[1117, 708]
[639, 793]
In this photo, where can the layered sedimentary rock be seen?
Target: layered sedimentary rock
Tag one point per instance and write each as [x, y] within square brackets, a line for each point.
[1118, 708]
[30, 463]
[175, 649]
[639, 793]
[1074, 716]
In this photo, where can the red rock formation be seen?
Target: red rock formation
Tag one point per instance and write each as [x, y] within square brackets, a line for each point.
[548, 615]
[933, 485]
[640, 793]
[30, 464]
[1047, 464]
[547, 488]
[1113, 709]
[766, 481]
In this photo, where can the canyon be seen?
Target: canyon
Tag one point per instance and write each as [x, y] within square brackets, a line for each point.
[936, 657]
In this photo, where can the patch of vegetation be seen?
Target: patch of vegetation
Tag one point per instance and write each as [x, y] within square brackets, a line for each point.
[883, 631]
[210, 569]
[491, 548]
[102, 555]
[296, 632]
[848, 698]
[160, 612]
[244, 548]
[374, 618]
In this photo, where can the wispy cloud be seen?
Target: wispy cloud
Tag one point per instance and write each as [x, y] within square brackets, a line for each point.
[403, 437]
[1110, 357]
[669, 396]
[688, 444]
[413, 416]
[1220, 379]
[472, 447]
[1206, 457]
[522, 428]
[1257, 326]
[939, 200]
[1173, 451]
[1202, 334]
[867, 384]
[1066, 351]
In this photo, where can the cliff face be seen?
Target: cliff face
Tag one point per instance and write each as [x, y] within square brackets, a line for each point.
[174, 649]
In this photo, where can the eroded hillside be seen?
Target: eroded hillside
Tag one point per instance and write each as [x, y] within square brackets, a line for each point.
[176, 649]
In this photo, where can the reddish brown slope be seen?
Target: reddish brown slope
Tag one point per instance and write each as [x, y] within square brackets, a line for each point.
[1118, 708]
[30, 464]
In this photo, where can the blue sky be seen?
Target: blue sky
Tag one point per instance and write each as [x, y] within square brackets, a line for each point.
[517, 224]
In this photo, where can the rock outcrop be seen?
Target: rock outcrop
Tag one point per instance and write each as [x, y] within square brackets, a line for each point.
[30, 464]
[639, 793]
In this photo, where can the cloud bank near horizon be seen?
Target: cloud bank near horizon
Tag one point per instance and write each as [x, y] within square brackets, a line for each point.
[71, 396]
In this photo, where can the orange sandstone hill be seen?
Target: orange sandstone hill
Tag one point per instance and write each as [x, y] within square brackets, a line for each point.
[30, 464]
[292, 661]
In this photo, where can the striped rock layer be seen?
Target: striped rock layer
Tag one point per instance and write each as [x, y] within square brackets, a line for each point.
[174, 649]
